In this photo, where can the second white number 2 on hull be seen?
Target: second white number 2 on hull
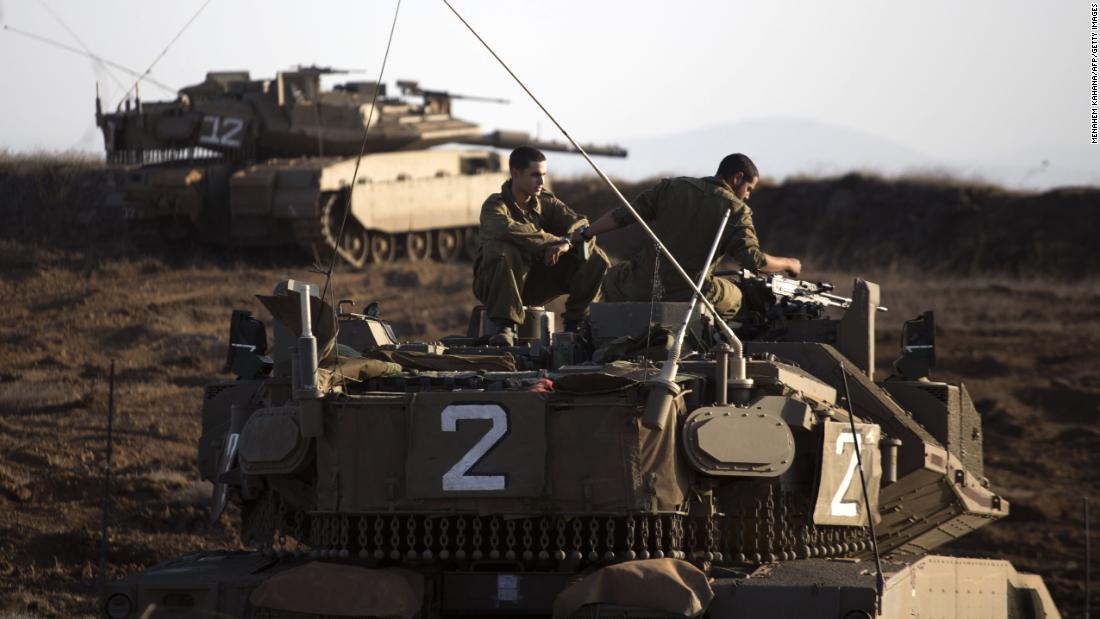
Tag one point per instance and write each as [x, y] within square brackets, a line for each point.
[456, 478]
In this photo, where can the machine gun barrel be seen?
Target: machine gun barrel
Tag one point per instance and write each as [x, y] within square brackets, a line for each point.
[506, 139]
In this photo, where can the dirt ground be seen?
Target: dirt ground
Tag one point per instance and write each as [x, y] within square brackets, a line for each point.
[1027, 349]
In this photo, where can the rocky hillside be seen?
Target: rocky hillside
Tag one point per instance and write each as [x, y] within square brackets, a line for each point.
[1005, 273]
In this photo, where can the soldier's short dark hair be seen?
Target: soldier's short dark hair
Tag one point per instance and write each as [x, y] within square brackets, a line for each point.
[732, 164]
[524, 156]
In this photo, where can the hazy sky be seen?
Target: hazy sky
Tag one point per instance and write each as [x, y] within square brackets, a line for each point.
[981, 83]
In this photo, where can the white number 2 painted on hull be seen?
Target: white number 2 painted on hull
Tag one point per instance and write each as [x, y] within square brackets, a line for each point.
[839, 506]
[456, 478]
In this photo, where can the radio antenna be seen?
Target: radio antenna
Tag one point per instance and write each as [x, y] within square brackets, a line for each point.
[664, 389]
[107, 483]
[93, 56]
[87, 50]
[164, 51]
[599, 172]
[880, 580]
[1088, 561]
[354, 175]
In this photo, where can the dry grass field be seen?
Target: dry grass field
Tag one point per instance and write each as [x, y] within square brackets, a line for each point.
[76, 296]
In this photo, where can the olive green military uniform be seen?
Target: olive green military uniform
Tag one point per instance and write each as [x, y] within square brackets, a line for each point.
[510, 272]
[685, 214]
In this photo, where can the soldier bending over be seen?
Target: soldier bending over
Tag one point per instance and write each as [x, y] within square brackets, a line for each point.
[685, 213]
[525, 258]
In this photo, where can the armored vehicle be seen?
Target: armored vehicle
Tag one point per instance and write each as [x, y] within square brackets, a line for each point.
[622, 472]
[245, 162]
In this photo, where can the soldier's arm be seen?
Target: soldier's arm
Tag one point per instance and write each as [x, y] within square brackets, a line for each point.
[743, 246]
[780, 264]
[645, 205]
[498, 225]
[559, 218]
[606, 223]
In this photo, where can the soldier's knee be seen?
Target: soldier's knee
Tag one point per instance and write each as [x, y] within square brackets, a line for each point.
[725, 295]
[507, 257]
[602, 259]
[599, 259]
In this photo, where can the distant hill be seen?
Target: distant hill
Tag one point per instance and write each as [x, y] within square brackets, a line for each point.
[786, 147]
[779, 146]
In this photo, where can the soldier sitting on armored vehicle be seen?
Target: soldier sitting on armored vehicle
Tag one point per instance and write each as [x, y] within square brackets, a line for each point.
[684, 213]
[526, 254]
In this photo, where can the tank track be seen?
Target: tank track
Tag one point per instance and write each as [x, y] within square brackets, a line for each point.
[552, 542]
[541, 542]
[358, 247]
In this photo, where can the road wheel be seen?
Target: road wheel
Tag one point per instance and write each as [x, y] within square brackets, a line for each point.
[352, 245]
[382, 247]
[418, 246]
[448, 245]
[470, 243]
[355, 246]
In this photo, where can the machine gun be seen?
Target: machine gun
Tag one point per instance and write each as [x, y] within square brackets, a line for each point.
[774, 304]
[819, 293]
[794, 290]
[439, 101]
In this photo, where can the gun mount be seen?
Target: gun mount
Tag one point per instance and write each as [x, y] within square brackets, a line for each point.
[522, 481]
[256, 162]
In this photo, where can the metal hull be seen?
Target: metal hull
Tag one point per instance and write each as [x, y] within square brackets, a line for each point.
[224, 584]
[435, 196]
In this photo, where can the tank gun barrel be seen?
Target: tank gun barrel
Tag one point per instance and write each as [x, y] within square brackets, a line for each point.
[444, 93]
[514, 139]
[327, 70]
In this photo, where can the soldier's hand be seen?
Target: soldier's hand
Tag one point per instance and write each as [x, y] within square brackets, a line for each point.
[578, 235]
[794, 266]
[555, 252]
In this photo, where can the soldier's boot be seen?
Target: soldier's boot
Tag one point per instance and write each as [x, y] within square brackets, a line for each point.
[579, 327]
[582, 338]
[505, 335]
